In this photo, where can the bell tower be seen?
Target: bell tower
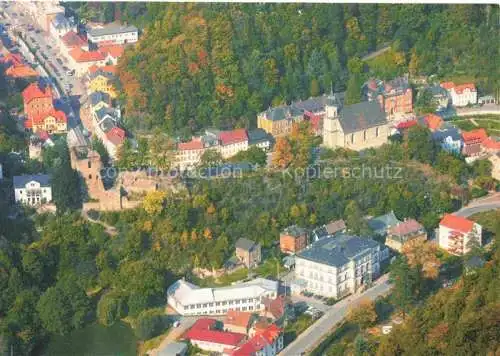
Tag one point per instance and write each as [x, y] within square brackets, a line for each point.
[330, 123]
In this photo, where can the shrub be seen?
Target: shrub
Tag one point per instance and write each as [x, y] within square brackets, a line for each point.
[111, 307]
[150, 323]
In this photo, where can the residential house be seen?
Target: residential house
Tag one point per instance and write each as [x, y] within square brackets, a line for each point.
[336, 266]
[37, 99]
[81, 60]
[61, 25]
[173, 349]
[405, 233]
[21, 71]
[491, 144]
[293, 239]
[206, 335]
[70, 41]
[188, 299]
[248, 252]
[461, 95]
[107, 129]
[449, 138]
[277, 308]
[113, 34]
[381, 224]
[112, 53]
[237, 321]
[54, 121]
[433, 122]
[473, 142]
[232, 142]
[99, 100]
[278, 121]
[457, 235]
[266, 343]
[395, 96]
[11, 59]
[188, 154]
[259, 138]
[109, 68]
[440, 96]
[103, 82]
[32, 190]
[328, 230]
[355, 127]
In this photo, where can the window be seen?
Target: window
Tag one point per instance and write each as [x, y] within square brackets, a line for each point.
[376, 132]
[364, 135]
[352, 138]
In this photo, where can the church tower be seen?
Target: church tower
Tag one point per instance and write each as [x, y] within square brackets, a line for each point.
[331, 123]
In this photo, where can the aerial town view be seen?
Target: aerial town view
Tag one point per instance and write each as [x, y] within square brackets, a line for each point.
[249, 179]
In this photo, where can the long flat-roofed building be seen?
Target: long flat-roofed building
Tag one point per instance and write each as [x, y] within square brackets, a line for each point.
[189, 299]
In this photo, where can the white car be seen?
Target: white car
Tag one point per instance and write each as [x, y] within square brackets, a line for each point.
[70, 73]
[176, 324]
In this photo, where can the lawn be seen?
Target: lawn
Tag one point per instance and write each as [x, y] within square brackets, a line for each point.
[489, 122]
[292, 330]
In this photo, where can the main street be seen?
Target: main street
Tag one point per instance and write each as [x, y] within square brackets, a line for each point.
[310, 338]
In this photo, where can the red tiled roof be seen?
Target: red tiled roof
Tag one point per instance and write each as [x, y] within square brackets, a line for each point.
[44, 135]
[39, 119]
[407, 227]
[406, 124]
[114, 51]
[233, 136]
[275, 306]
[315, 122]
[237, 318]
[33, 91]
[258, 342]
[80, 55]
[491, 144]
[116, 135]
[459, 89]
[474, 135]
[12, 58]
[107, 68]
[215, 336]
[457, 223]
[433, 122]
[71, 40]
[194, 144]
[447, 85]
[21, 71]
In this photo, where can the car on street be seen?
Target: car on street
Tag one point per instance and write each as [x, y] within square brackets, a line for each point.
[49, 47]
[59, 61]
[37, 31]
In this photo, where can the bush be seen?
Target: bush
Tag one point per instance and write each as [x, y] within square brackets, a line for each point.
[137, 303]
[330, 301]
[111, 307]
[478, 192]
[150, 323]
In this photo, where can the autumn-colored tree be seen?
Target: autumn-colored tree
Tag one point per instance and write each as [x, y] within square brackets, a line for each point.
[153, 202]
[194, 236]
[207, 233]
[282, 155]
[364, 315]
[184, 239]
[211, 209]
[423, 256]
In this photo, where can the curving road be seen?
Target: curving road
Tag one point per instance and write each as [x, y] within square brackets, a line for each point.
[490, 202]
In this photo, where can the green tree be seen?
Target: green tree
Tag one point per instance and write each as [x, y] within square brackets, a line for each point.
[111, 308]
[405, 284]
[150, 323]
[210, 158]
[99, 147]
[66, 188]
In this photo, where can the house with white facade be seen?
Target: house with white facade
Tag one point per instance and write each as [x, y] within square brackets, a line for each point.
[458, 235]
[61, 25]
[461, 95]
[449, 138]
[113, 34]
[189, 299]
[106, 127]
[32, 190]
[268, 342]
[337, 266]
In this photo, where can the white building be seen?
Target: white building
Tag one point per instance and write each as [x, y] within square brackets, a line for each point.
[461, 95]
[457, 235]
[337, 266]
[113, 34]
[232, 142]
[61, 25]
[189, 299]
[32, 189]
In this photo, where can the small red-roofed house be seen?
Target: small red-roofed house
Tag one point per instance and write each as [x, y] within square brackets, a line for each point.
[405, 125]
[112, 53]
[21, 71]
[457, 235]
[232, 142]
[11, 59]
[268, 342]
[81, 60]
[37, 100]
[491, 145]
[473, 142]
[54, 121]
[205, 335]
[237, 321]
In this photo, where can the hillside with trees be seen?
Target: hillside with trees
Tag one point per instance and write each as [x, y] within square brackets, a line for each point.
[199, 65]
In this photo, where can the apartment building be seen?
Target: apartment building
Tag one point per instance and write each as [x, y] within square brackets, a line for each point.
[113, 34]
[337, 266]
[457, 235]
[188, 299]
[461, 95]
[32, 190]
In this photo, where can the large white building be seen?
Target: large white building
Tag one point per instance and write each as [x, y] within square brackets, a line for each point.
[188, 299]
[113, 34]
[32, 189]
[337, 266]
[457, 235]
[461, 95]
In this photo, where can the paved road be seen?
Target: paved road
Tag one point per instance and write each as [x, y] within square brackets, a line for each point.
[468, 211]
[310, 338]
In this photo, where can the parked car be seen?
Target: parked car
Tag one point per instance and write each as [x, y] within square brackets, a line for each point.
[176, 324]
[59, 61]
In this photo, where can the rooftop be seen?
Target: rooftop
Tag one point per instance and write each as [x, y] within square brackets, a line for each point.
[407, 227]
[257, 135]
[114, 51]
[361, 116]
[173, 348]
[116, 135]
[337, 251]
[233, 136]
[237, 318]
[433, 122]
[111, 29]
[80, 55]
[35, 91]
[457, 223]
[380, 224]
[474, 135]
[294, 231]
[71, 40]
[21, 71]
[204, 330]
[98, 96]
[259, 341]
[21, 181]
[245, 244]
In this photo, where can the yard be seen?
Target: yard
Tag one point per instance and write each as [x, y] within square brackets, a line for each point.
[489, 122]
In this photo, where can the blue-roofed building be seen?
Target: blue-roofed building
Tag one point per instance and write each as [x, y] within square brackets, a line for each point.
[381, 224]
[449, 138]
[259, 138]
[337, 266]
[32, 190]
